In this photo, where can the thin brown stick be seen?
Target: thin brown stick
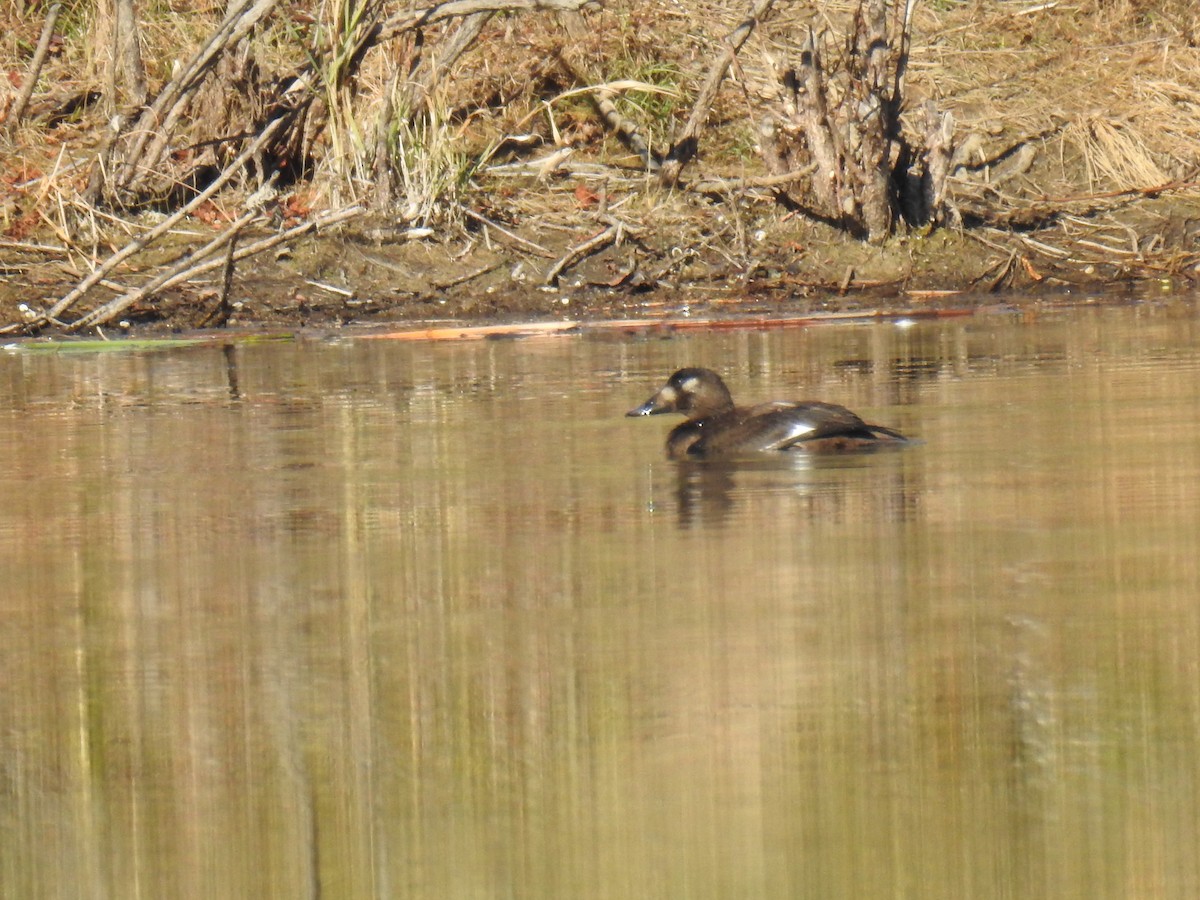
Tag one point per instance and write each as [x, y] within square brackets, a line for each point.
[419, 18]
[611, 235]
[685, 146]
[24, 247]
[158, 121]
[227, 272]
[465, 277]
[164, 226]
[218, 313]
[35, 66]
[188, 269]
[484, 220]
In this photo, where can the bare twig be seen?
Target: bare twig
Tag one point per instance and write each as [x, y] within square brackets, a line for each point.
[611, 235]
[219, 312]
[227, 273]
[164, 226]
[419, 18]
[484, 220]
[465, 277]
[729, 185]
[685, 145]
[188, 269]
[35, 66]
[34, 248]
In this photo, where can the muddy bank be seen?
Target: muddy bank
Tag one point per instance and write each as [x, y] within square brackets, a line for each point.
[367, 274]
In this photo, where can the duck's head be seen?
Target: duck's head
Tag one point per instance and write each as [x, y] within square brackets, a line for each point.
[694, 392]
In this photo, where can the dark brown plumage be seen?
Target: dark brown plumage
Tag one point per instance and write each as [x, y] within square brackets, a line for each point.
[716, 428]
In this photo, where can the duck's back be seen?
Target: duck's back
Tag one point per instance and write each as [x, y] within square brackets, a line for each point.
[775, 426]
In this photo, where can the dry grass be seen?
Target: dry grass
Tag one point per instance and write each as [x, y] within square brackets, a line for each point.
[1113, 87]
[1117, 84]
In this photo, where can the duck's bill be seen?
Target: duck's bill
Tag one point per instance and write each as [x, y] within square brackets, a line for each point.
[663, 401]
[648, 408]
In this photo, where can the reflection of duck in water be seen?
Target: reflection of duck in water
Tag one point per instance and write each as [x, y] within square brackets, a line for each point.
[716, 429]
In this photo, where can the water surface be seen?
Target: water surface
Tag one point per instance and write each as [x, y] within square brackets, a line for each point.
[373, 619]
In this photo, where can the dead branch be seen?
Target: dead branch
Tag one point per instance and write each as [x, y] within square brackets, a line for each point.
[846, 121]
[684, 147]
[419, 18]
[221, 309]
[136, 246]
[433, 69]
[465, 277]
[35, 66]
[512, 236]
[159, 121]
[626, 129]
[611, 235]
[187, 269]
[126, 69]
[732, 185]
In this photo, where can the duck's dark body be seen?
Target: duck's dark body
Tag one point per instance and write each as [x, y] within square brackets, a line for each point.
[716, 428]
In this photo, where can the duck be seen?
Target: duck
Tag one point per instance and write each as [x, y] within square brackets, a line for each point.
[717, 429]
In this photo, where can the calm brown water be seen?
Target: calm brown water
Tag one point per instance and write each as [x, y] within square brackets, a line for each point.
[368, 619]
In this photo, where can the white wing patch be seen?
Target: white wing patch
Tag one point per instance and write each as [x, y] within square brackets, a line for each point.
[800, 429]
[794, 431]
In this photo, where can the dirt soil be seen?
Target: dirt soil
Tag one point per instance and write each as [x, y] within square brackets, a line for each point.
[362, 275]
